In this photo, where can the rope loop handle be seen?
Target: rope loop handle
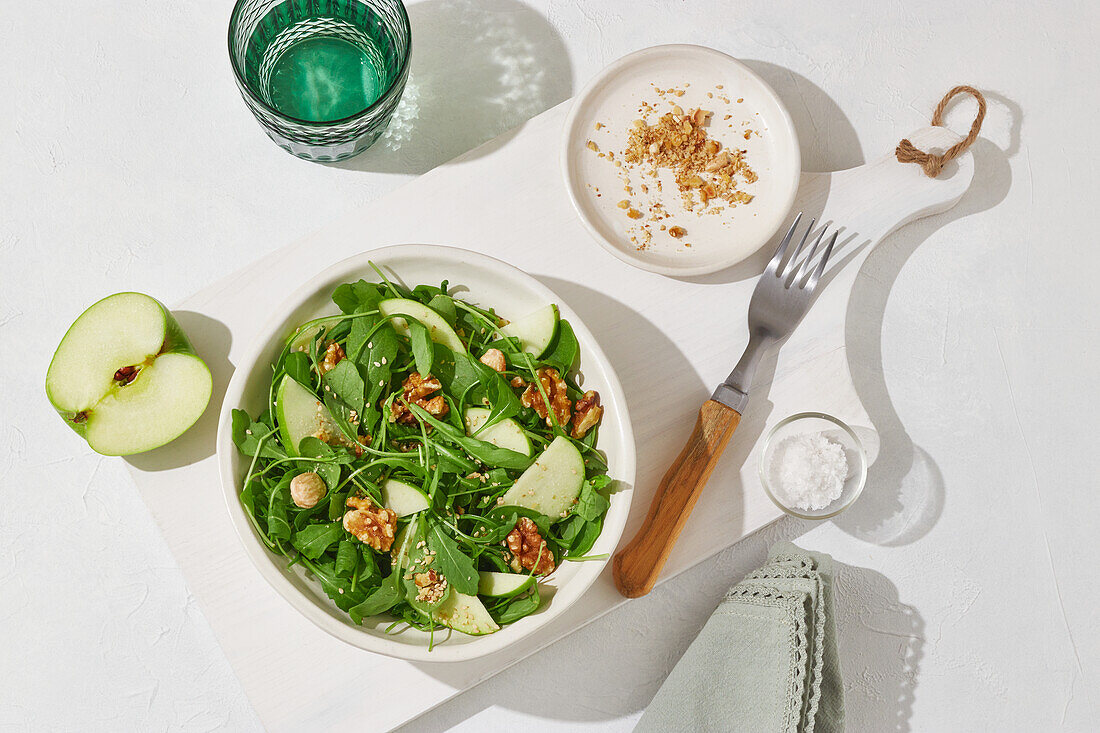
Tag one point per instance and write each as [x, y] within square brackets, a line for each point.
[933, 164]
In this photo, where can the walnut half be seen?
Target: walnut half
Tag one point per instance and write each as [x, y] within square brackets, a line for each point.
[416, 390]
[529, 551]
[370, 523]
[555, 389]
[587, 413]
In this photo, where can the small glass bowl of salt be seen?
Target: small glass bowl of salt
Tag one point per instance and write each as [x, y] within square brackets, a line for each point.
[812, 465]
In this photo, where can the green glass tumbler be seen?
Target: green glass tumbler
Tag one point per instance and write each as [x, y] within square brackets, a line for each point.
[322, 77]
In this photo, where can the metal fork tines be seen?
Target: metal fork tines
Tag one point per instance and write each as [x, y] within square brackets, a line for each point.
[782, 296]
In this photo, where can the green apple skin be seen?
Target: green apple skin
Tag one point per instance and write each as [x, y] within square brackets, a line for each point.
[175, 341]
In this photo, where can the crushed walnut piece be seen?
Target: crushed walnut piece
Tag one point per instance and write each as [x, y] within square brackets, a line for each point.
[555, 389]
[587, 413]
[680, 142]
[494, 359]
[417, 391]
[334, 354]
[370, 523]
[529, 550]
[430, 587]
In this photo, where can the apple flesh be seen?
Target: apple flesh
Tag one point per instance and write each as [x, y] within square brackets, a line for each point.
[126, 378]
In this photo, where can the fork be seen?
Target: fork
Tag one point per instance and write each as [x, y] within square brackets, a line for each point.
[781, 298]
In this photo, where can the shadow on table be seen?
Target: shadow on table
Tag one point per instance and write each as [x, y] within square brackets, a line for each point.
[905, 493]
[881, 642]
[479, 69]
[211, 339]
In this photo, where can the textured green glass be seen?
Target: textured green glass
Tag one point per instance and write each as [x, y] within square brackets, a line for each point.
[322, 76]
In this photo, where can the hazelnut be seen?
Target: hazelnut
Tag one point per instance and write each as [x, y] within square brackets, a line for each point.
[306, 489]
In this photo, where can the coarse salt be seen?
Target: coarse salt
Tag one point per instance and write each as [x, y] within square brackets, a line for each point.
[808, 471]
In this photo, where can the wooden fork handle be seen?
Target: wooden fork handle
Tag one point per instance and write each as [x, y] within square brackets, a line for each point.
[637, 565]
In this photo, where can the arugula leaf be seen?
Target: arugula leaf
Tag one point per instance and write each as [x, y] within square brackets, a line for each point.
[422, 349]
[456, 567]
[278, 526]
[357, 296]
[344, 382]
[444, 306]
[563, 354]
[461, 371]
[311, 447]
[376, 361]
[316, 538]
[591, 504]
[347, 558]
[249, 437]
[382, 599]
[578, 534]
[369, 574]
[516, 608]
[297, 366]
[503, 402]
[358, 336]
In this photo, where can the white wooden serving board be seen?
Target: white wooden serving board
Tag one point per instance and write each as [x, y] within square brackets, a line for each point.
[670, 340]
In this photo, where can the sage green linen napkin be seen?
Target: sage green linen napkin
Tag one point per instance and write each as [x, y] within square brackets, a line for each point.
[765, 661]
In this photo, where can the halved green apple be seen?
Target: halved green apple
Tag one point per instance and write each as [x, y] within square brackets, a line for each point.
[126, 378]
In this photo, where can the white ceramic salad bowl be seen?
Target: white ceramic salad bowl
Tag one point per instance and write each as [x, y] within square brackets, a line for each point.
[487, 282]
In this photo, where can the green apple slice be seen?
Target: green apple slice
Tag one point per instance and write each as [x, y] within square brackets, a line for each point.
[301, 414]
[438, 328]
[403, 545]
[402, 498]
[502, 585]
[466, 614]
[535, 331]
[505, 434]
[302, 338]
[126, 378]
[552, 482]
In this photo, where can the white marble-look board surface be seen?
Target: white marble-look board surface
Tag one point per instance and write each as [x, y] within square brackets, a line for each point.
[128, 162]
[519, 211]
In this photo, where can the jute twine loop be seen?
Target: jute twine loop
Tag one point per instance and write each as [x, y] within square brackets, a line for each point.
[931, 163]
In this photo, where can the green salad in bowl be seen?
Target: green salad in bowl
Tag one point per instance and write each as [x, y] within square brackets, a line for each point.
[424, 459]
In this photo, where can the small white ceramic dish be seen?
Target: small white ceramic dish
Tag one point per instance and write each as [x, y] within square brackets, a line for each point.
[612, 100]
[835, 430]
[480, 279]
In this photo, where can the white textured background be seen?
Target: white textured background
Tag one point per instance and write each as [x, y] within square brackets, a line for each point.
[128, 161]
